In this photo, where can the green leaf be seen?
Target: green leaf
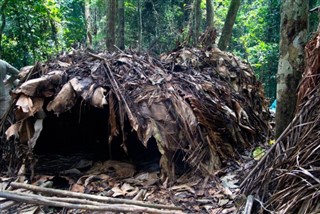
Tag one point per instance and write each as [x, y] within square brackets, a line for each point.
[258, 153]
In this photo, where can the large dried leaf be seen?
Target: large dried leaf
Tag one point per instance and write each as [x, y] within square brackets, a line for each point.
[64, 100]
[27, 107]
[43, 86]
[13, 130]
[38, 126]
[99, 97]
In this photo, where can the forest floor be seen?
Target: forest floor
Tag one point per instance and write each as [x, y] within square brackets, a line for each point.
[219, 193]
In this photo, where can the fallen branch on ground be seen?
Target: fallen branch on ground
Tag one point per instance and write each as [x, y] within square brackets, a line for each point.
[41, 200]
[91, 197]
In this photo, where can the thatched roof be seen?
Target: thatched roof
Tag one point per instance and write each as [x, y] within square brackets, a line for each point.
[205, 105]
[286, 180]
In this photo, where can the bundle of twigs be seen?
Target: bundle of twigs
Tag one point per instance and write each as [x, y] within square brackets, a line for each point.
[287, 180]
[74, 200]
[207, 105]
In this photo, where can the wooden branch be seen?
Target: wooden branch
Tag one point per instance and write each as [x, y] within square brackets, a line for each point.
[40, 200]
[91, 197]
[139, 194]
[96, 56]
[61, 199]
[7, 205]
[132, 119]
[249, 204]
[315, 9]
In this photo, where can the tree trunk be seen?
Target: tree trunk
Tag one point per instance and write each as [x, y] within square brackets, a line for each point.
[228, 25]
[87, 14]
[197, 21]
[111, 25]
[3, 23]
[209, 8]
[121, 24]
[140, 26]
[293, 36]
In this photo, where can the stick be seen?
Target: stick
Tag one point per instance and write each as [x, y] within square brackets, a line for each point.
[96, 56]
[7, 205]
[110, 207]
[91, 197]
[249, 203]
[315, 9]
[60, 199]
[132, 119]
[140, 193]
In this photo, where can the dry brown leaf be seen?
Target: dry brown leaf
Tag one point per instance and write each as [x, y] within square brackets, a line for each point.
[38, 126]
[63, 64]
[13, 130]
[117, 192]
[81, 85]
[144, 179]
[99, 97]
[24, 103]
[77, 188]
[122, 169]
[42, 86]
[183, 187]
[112, 119]
[64, 101]
[129, 190]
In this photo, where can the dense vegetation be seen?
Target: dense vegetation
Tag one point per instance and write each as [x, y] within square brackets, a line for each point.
[37, 30]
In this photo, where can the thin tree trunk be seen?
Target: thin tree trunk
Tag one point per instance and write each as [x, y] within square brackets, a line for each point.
[111, 25]
[3, 22]
[293, 37]
[121, 24]
[88, 22]
[140, 26]
[209, 8]
[95, 15]
[197, 21]
[228, 25]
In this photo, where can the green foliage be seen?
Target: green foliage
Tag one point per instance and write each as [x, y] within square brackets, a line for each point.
[313, 18]
[73, 24]
[163, 22]
[36, 30]
[258, 153]
[256, 39]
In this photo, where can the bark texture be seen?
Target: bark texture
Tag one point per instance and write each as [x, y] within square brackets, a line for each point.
[228, 25]
[293, 36]
[111, 25]
[140, 25]
[121, 23]
[88, 22]
[209, 8]
[197, 21]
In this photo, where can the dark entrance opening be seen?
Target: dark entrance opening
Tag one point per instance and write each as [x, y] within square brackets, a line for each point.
[82, 133]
